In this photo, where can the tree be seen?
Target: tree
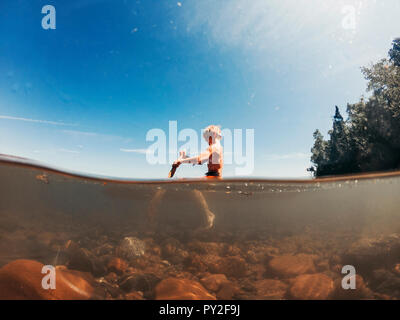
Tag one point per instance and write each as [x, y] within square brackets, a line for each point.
[394, 53]
[335, 155]
[369, 140]
[319, 156]
[337, 143]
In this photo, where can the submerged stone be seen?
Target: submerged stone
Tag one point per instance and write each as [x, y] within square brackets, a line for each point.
[84, 260]
[131, 248]
[316, 286]
[227, 291]
[361, 290]
[181, 289]
[22, 279]
[386, 282]
[373, 253]
[117, 265]
[235, 267]
[144, 282]
[292, 265]
[270, 289]
[213, 281]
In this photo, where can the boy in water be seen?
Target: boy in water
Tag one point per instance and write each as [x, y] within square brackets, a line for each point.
[213, 155]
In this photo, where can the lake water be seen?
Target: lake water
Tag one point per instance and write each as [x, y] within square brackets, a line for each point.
[238, 239]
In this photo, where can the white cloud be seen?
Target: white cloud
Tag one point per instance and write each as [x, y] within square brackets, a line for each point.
[289, 156]
[144, 151]
[88, 134]
[259, 23]
[81, 133]
[36, 121]
[141, 151]
[68, 151]
[297, 33]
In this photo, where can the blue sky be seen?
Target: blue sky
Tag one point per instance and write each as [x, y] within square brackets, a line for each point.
[75, 96]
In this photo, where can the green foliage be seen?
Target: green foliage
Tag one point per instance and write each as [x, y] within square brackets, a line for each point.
[369, 139]
[394, 53]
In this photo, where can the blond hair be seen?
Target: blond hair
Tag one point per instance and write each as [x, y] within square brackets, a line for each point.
[212, 131]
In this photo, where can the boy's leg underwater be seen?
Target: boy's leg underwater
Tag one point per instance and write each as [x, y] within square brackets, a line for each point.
[154, 205]
[209, 216]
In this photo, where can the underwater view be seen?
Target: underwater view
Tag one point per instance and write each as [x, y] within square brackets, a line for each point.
[120, 239]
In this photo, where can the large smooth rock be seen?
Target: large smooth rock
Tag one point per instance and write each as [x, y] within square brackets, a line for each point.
[22, 279]
[181, 289]
[316, 286]
[292, 265]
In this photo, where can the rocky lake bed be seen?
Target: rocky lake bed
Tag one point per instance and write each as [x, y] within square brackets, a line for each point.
[131, 240]
[150, 265]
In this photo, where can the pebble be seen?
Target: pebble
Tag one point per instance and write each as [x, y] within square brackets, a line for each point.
[111, 277]
[213, 282]
[117, 265]
[131, 248]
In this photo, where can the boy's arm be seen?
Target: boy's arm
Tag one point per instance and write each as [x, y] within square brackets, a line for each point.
[193, 160]
[203, 157]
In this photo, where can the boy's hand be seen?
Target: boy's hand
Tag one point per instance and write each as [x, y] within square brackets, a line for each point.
[175, 165]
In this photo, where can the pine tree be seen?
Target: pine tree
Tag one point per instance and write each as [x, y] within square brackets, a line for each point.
[337, 143]
[394, 53]
[319, 156]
